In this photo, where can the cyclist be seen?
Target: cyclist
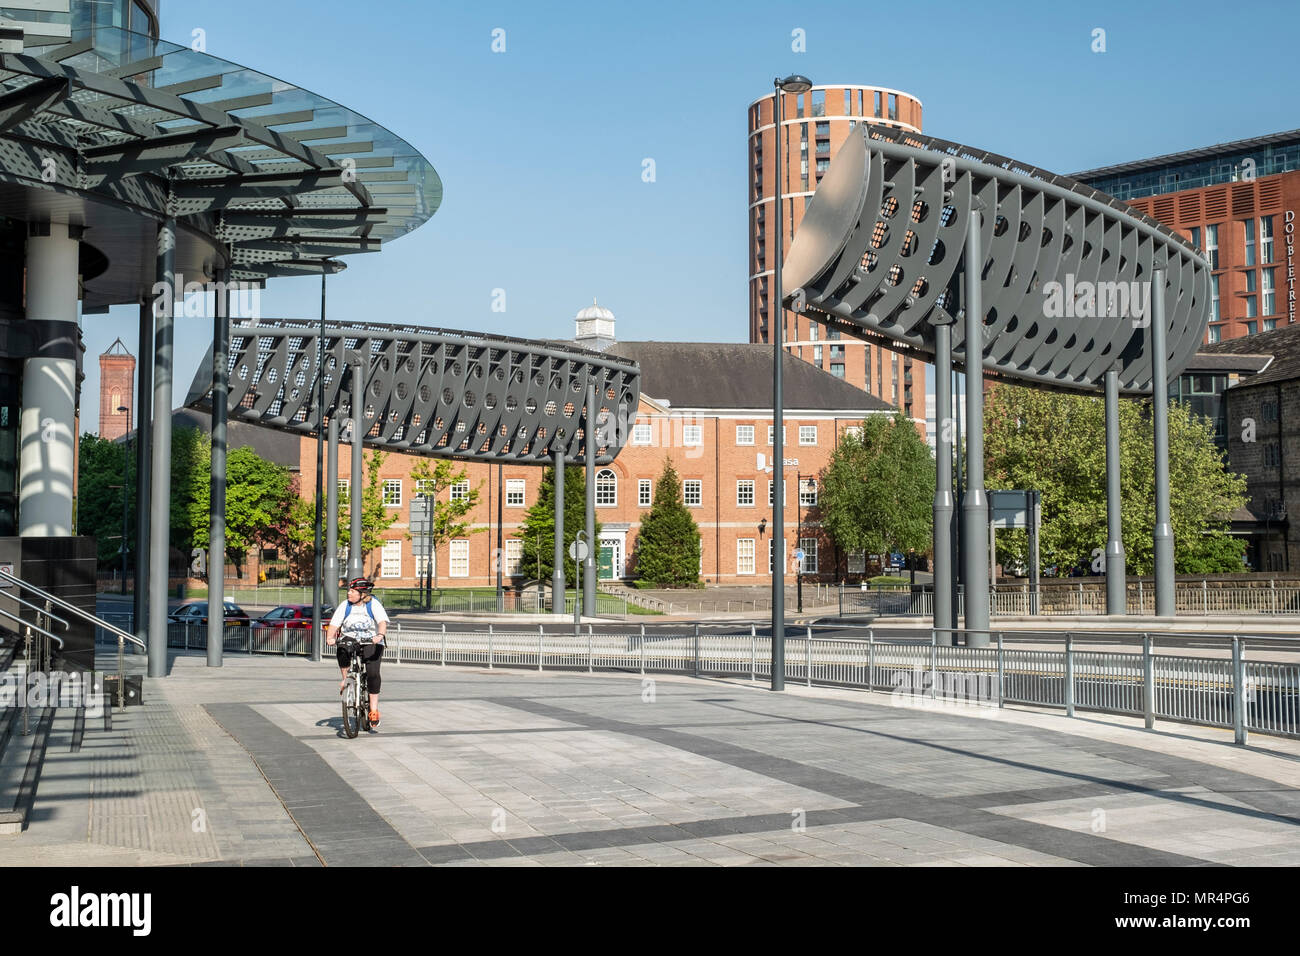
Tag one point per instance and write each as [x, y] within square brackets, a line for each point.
[361, 618]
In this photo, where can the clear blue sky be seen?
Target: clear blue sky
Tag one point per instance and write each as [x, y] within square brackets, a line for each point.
[540, 148]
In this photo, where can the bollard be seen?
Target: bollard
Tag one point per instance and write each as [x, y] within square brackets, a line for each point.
[807, 656]
[1148, 683]
[1069, 674]
[1238, 692]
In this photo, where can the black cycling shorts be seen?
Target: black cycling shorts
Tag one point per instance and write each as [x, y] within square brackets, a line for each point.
[371, 655]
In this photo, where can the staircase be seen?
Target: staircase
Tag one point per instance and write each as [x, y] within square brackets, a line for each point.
[44, 703]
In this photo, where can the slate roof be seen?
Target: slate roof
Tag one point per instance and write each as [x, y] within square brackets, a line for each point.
[739, 375]
[1282, 345]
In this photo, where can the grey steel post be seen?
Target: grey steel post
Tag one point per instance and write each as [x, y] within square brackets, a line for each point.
[1116, 578]
[318, 563]
[501, 555]
[696, 653]
[1069, 674]
[1148, 683]
[1002, 670]
[1035, 521]
[558, 580]
[143, 469]
[332, 511]
[160, 492]
[356, 565]
[589, 562]
[217, 488]
[1238, 691]
[776, 322]
[975, 506]
[943, 508]
[1163, 537]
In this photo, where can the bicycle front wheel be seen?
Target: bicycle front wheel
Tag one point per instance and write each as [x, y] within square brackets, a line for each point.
[351, 709]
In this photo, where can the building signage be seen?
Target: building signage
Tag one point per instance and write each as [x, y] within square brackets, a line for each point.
[1288, 229]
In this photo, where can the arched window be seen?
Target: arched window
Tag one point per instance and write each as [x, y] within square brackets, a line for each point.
[606, 488]
[115, 403]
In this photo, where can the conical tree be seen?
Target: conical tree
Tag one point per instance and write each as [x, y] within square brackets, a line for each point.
[538, 530]
[668, 545]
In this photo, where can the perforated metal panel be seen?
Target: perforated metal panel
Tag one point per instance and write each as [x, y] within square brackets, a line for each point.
[879, 255]
[436, 392]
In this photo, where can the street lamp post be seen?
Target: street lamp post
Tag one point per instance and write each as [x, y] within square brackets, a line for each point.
[798, 544]
[126, 484]
[791, 84]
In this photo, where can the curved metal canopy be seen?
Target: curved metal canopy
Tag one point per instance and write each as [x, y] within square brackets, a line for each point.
[437, 392]
[114, 129]
[879, 255]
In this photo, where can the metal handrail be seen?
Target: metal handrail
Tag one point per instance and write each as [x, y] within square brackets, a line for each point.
[73, 609]
[35, 627]
[38, 609]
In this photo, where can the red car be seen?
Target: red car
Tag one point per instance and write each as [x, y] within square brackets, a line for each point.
[287, 620]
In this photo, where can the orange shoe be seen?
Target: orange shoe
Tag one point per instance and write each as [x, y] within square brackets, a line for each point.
[374, 719]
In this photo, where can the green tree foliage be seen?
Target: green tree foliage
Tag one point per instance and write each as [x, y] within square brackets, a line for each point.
[877, 491]
[260, 497]
[538, 531]
[668, 544]
[448, 516]
[1056, 443]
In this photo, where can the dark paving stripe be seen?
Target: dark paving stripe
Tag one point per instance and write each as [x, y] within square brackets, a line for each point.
[1009, 798]
[881, 801]
[635, 836]
[340, 825]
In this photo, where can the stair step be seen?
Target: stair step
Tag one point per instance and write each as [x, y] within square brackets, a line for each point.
[20, 765]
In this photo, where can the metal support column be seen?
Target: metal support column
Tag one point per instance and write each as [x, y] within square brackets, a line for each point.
[1163, 537]
[318, 512]
[160, 492]
[501, 555]
[975, 506]
[143, 468]
[217, 488]
[1116, 579]
[558, 579]
[332, 510]
[589, 563]
[356, 566]
[944, 586]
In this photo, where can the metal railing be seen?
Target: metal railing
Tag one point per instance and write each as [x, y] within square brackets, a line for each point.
[53, 601]
[1019, 600]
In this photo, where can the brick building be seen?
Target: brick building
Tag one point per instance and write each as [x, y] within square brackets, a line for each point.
[815, 125]
[116, 390]
[1237, 202]
[707, 406]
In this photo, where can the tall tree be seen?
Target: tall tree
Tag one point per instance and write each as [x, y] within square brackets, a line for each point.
[259, 500]
[538, 531]
[448, 516]
[1055, 443]
[877, 490]
[100, 466]
[668, 544]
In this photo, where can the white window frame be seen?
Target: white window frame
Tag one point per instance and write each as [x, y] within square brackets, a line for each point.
[744, 434]
[459, 557]
[641, 433]
[345, 488]
[1265, 240]
[807, 434]
[744, 490]
[771, 434]
[606, 488]
[745, 556]
[420, 561]
[514, 556]
[692, 436]
[458, 490]
[644, 492]
[808, 493]
[516, 488]
[809, 563]
[771, 500]
[389, 485]
[697, 485]
[390, 565]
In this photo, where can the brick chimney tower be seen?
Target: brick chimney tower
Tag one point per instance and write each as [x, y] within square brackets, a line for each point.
[116, 390]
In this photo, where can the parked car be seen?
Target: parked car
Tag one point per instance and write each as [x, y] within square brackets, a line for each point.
[196, 612]
[291, 617]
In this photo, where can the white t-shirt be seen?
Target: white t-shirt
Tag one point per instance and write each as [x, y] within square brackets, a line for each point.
[358, 624]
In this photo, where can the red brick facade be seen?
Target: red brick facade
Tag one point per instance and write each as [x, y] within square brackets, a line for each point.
[116, 390]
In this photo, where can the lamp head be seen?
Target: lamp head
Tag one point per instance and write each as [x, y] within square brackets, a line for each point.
[794, 83]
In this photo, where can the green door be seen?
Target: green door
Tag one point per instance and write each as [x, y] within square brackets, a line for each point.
[605, 570]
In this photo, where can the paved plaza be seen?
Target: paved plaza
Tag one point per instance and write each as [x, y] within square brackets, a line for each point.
[247, 765]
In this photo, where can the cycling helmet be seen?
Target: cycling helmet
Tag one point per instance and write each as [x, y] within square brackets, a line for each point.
[361, 584]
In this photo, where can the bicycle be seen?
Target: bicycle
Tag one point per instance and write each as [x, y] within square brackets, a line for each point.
[356, 692]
